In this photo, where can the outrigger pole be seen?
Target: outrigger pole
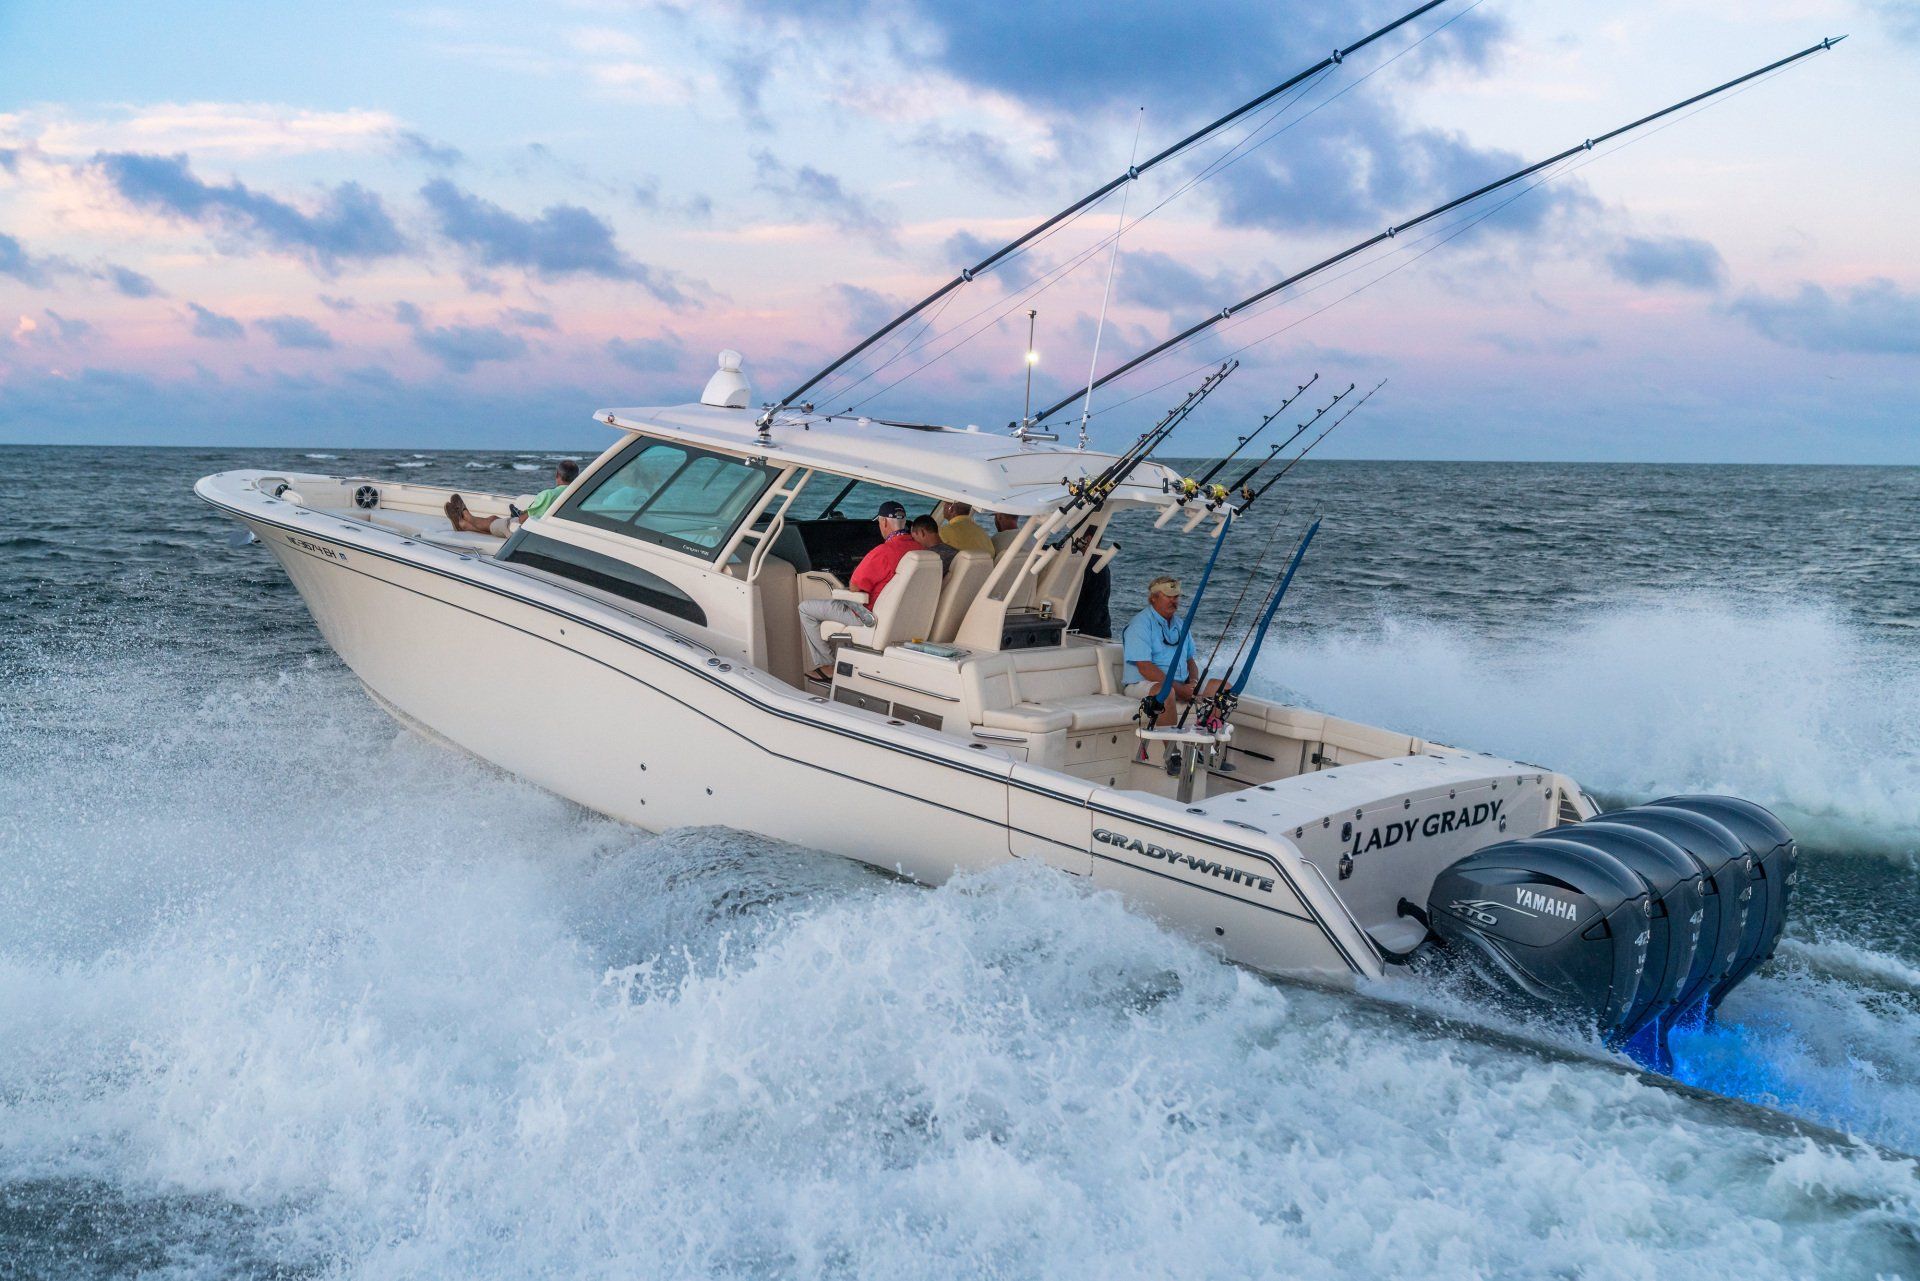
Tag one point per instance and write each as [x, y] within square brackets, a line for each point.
[1227, 313]
[1093, 197]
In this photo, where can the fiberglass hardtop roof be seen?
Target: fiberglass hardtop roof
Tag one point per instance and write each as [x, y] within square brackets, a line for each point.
[990, 470]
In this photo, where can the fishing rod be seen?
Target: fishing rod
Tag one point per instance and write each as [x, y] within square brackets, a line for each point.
[1156, 700]
[1240, 486]
[1098, 194]
[1093, 491]
[1250, 436]
[1220, 705]
[1295, 460]
[1227, 313]
[1190, 487]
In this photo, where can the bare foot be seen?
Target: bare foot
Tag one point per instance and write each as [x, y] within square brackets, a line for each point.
[456, 511]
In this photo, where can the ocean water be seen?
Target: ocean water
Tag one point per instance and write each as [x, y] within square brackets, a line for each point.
[287, 991]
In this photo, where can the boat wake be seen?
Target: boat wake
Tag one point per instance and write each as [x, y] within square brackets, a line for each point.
[1790, 706]
[291, 988]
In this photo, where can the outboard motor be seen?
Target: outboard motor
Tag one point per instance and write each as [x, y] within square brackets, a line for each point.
[1641, 920]
[1561, 923]
[1776, 858]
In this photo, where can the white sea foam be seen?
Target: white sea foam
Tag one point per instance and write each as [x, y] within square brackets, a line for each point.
[476, 465]
[417, 1019]
[1789, 706]
[410, 466]
[323, 456]
[527, 467]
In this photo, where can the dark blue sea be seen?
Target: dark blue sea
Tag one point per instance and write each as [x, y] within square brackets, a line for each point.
[288, 991]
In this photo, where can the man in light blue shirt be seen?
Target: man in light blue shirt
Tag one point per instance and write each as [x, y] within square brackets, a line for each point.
[1152, 646]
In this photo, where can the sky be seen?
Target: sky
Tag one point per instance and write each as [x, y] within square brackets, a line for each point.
[244, 222]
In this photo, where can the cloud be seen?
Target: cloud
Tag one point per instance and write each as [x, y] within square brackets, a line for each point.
[296, 332]
[1669, 260]
[70, 328]
[415, 146]
[868, 309]
[24, 267]
[1013, 273]
[460, 347]
[234, 129]
[1164, 283]
[332, 303]
[1356, 166]
[826, 195]
[695, 208]
[350, 225]
[528, 319]
[977, 153]
[212, 325]
[1524, 345]
[1901, 16]
[131, 283]
[1877, 318]
[648, 355]
[565, 240]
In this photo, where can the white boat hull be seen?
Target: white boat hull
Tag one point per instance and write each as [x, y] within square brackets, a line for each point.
[628, 719]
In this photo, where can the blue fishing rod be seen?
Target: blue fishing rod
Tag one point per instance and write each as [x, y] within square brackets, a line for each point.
[1211, 712]
[1156, 702]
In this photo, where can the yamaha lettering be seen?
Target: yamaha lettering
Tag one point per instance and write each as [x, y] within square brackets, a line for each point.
[1404, 831]
[1209, 867]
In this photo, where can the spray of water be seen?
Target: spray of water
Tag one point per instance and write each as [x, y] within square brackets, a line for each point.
[1789, 706]
[282, 987]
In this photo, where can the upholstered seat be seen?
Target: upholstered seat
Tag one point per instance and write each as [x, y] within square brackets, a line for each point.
[964, 578]
[1099, 711]
[905, 609]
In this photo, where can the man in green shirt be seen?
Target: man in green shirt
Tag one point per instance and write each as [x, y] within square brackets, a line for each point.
[461, 518]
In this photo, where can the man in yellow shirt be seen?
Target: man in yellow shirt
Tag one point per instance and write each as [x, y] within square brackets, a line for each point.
[960, 531]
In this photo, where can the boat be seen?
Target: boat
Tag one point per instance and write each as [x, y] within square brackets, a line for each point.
[637, 649]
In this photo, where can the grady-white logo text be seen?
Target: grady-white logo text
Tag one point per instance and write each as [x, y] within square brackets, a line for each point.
[1175, 857]
[1405, 829]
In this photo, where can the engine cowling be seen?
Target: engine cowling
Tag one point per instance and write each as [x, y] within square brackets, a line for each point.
[1638, 921]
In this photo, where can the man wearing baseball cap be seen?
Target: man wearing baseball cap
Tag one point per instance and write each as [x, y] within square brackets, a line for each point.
[1153, 646]
[875, 571]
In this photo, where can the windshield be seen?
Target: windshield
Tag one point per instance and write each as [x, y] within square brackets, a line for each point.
[675, 495]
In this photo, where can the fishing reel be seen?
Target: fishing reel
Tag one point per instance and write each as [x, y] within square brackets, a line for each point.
[1183, 490]
[1211, 714]
[1150, 708]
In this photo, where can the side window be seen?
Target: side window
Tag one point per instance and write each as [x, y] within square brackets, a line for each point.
[674, 495]
[621, 495]
[830, 497]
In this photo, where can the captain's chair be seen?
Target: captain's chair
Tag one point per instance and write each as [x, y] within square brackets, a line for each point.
[964, 577]
[905, 609]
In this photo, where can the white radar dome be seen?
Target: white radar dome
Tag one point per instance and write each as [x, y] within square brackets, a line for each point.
[728, 388]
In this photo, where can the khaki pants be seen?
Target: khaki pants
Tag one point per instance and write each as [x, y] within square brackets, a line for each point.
[815, 612]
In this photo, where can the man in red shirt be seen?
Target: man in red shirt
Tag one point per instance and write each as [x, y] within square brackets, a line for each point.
[875, 571]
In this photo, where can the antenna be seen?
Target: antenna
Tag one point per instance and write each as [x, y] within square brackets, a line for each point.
[1113, 260]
